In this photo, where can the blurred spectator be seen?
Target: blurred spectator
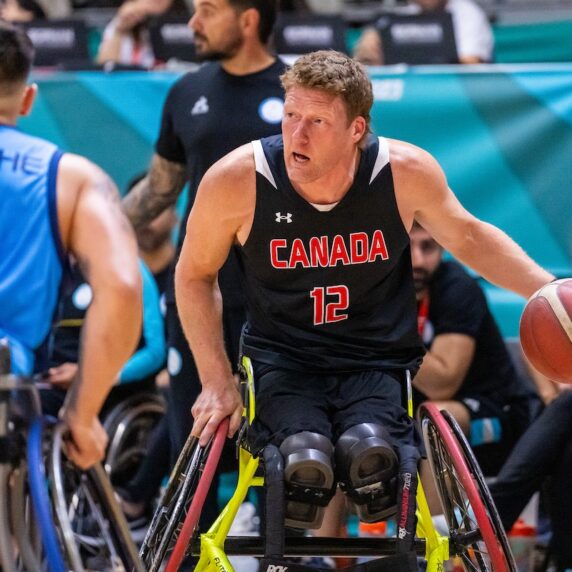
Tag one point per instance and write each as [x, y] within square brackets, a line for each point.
[473, 33]
[467, 369]
[21, 11]
[56, 8]
[126, 38]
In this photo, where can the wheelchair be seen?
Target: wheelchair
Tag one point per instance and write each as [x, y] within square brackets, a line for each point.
[475, 533]
[129, 425]
[53, 516]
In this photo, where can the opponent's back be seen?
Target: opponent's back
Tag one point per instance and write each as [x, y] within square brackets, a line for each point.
[31, 253]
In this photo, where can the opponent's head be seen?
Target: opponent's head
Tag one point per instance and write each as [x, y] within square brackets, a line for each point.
[16, 57]
[222, 27]
[426, 255]
[326, 113]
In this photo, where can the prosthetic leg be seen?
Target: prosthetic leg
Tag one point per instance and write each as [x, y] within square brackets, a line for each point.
[309, 478]
[367, 467]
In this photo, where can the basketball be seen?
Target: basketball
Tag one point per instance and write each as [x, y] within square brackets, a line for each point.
[546, 330]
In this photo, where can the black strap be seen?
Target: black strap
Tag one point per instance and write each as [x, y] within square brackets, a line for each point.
[274, 503]
[310, 495]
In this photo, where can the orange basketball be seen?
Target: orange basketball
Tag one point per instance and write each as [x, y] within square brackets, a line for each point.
[546, 330]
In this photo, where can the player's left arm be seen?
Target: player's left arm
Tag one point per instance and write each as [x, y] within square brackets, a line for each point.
[423, 194]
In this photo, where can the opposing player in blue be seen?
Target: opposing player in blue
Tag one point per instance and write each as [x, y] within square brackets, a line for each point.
[53, 204]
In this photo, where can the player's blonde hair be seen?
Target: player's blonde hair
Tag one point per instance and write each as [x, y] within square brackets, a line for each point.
[336, 74]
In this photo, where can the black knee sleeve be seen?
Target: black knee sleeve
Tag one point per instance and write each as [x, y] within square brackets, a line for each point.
[366, 467]
[309, 478]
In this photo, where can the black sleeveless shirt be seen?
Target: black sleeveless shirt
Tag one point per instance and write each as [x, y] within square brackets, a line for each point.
[329, 290]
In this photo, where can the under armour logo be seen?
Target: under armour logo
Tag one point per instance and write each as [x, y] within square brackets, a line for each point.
[280, 217]
[201, 106]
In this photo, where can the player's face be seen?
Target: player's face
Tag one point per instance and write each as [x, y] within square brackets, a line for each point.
[318, 137]
[426, 256]
[216, 28]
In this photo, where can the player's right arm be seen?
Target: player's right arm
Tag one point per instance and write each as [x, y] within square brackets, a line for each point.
[95, 230]
[221, 216]
[158, 190]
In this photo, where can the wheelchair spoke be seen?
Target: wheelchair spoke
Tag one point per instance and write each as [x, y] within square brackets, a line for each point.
[473, 524]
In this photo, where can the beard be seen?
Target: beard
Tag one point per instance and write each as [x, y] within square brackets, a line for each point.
[421, 280]
[222, 52]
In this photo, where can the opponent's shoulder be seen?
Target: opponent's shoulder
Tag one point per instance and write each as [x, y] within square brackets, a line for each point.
[75, 172]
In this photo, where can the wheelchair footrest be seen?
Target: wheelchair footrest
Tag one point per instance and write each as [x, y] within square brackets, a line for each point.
[406, 562]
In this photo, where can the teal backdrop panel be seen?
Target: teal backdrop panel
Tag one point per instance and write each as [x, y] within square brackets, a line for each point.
[534, 42]
[113, 119]
[503, 135]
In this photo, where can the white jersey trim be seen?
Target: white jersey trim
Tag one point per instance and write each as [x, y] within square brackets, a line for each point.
[382, 158]
[261, 163]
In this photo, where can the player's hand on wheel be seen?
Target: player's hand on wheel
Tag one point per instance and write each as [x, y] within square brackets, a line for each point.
[215, 402]
[87, 442]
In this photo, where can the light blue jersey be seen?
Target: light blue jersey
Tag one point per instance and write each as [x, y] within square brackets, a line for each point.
[31, 252]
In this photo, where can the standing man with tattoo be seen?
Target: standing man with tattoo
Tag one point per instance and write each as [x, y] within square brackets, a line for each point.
[54, 204]
[233, 99]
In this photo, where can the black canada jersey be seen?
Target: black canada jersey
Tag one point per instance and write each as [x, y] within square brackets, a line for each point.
[207, 114]
[329, 290]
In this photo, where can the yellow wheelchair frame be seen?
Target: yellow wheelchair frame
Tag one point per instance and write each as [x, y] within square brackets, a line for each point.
[475, 532]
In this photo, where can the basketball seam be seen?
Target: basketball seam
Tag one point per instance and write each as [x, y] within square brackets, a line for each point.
[551, 296]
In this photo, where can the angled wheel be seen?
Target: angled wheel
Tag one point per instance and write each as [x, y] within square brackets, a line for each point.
[476, 533]
[129, 426]
[177, 501]
[91, 525]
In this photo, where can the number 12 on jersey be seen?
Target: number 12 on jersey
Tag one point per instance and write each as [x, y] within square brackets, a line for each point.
[329, 303]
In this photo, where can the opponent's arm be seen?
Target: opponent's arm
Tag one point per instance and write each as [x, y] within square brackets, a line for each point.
[98, 234]
[423, 194]
[221, 211]
[445, 366]
[155, 192]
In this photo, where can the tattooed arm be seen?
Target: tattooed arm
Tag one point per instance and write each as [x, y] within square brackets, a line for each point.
[95, 230]
[157, 191]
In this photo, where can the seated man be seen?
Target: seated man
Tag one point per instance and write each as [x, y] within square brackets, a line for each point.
[473, 33]
[320, 217]
[542, 461]
[466, 369]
